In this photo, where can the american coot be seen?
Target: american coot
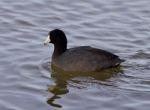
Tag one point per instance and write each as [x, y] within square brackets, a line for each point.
[79, 59]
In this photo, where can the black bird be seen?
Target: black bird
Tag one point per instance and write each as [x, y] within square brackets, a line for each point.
[79, 59]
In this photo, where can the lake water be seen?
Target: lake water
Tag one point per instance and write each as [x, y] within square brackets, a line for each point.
[27, 81]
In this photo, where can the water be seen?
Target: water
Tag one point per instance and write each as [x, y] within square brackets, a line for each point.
[28, 83]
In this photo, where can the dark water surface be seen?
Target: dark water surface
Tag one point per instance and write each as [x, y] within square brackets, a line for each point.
[28, 83]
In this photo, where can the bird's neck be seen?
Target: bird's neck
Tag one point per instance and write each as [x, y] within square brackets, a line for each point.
[59, 49]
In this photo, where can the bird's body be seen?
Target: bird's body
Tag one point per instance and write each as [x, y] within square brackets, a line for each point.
[89, 59]
[80, 59]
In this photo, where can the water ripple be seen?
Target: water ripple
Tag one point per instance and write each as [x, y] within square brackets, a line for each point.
[28, 82]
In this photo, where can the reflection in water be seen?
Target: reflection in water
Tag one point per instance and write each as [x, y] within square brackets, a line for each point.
[59, 89]
[64, 79]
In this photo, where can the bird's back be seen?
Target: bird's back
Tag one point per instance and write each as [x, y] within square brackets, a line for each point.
[86, 58]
